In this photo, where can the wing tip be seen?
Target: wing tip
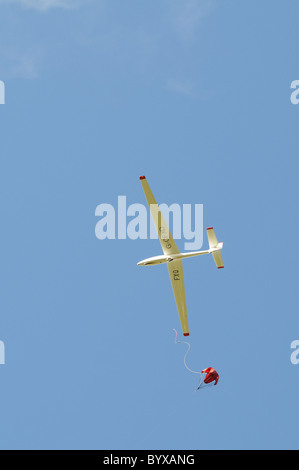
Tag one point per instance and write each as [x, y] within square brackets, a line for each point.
[220, 267]
[210, 228]
[186, 334]
[142, 177]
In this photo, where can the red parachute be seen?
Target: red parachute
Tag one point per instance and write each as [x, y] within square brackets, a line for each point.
[211, 376]
[208, 375]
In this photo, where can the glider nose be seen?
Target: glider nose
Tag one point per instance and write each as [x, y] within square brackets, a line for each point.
[141, 263]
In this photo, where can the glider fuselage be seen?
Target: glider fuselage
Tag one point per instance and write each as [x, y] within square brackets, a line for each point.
[168, 258]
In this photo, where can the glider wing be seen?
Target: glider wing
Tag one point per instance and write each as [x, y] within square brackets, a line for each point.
[168, 244]
[175, 269]
[169, 247]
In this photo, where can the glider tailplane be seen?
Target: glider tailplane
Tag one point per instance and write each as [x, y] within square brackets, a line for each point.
[215, 247]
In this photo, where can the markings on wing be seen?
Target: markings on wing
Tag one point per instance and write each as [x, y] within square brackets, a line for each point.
[164, 234]
[176, 274]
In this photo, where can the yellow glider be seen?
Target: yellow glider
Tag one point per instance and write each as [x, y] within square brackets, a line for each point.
[173, 257]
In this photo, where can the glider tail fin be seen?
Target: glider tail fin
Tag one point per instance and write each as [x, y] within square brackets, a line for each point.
[215, 247]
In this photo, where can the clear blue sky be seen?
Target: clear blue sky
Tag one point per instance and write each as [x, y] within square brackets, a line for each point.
[196, 96]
